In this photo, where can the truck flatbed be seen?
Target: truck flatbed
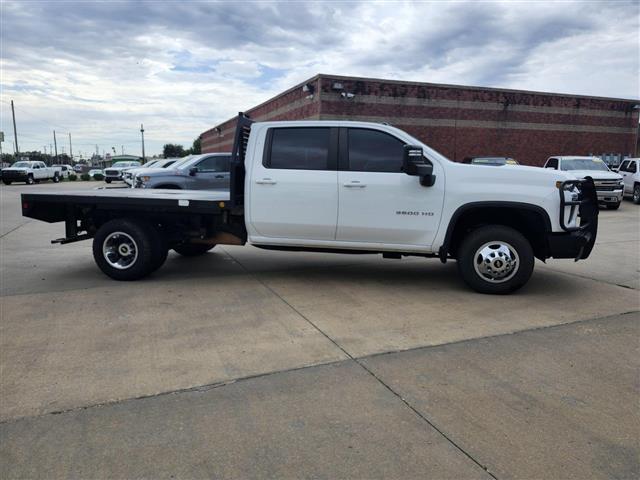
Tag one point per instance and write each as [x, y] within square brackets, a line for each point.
[167, 201]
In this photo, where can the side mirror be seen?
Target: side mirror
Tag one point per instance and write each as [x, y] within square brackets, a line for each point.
[415, 164]
[193, 171]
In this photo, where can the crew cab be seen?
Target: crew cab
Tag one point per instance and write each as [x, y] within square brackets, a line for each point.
[30, 172]
[344, 187]
[115, 171]
[194, 172]
[608, 184]
[630, 171]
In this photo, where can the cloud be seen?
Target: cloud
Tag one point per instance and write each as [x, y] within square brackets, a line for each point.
[99, 69]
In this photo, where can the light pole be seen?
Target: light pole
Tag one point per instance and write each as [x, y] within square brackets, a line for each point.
[142, 134]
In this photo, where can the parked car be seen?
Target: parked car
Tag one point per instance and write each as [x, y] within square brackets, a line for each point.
[196, 172]
[95, 171]
[65, 170]
[383, 192]
[161, 163]
[30, 172]
[77, 168]
[115, 171]
[609, 185]
[630, 171]
[491, 161]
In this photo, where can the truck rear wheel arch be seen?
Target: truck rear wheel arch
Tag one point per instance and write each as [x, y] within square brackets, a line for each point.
[530, 220]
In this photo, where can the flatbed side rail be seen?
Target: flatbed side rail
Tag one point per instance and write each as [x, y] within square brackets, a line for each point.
[587, 204]
[238, 154]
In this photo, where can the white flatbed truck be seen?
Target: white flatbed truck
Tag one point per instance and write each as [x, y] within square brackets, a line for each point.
[344, 187]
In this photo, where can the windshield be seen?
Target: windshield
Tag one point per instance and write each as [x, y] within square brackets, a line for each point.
[168, 163]
[182, 161]
[150, 164]
[583, 164]
[21, 164]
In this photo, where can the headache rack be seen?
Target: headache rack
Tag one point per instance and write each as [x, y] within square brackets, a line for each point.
[237, 174]
[587, 204]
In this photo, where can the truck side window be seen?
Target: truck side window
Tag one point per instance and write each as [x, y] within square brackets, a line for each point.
[552, 163]
[304, 148]
[374, 151]
[214, 164]
[632, 167]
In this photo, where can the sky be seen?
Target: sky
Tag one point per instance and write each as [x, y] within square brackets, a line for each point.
[98, 70]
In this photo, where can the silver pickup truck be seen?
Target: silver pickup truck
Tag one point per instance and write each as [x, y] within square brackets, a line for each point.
[195, 172]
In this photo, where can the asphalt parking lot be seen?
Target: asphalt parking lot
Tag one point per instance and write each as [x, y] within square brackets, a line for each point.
[254, 364]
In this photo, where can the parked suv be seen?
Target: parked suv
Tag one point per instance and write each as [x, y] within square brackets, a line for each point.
[115, 171]
[608, 184]
[630, 171]
[208, 171]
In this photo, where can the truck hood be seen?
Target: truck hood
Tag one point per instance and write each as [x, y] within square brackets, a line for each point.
[524, 174]
[595, 174]
[11, 169]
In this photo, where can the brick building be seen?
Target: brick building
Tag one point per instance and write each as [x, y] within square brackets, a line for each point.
[458, 121]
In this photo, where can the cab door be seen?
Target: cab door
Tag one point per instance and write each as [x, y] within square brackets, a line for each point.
[293, 187]
[212, 173]
[378, 203]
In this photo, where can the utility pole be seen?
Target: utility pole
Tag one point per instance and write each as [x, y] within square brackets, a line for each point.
[122, 148]
[70, 149]
[55, 143]
[142, 134]
[15, 134]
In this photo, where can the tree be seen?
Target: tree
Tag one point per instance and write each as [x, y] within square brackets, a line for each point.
[196, 148]
[173, 150]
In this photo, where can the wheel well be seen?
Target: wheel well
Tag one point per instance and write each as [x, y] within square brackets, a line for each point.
[531, 222]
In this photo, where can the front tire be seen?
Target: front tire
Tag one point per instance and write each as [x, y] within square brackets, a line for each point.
[495, 260]
[107, 180]
[6, 182]
[192, 249]
[636, 194]
[30, 180]
[125, 249]
[613, 206]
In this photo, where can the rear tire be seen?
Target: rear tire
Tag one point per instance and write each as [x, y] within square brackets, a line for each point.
[495, 259]
[107, 180]
[192, 249]
[56, 178]
[6, 182]
[636, 194]
[125, 249]
[613, 206]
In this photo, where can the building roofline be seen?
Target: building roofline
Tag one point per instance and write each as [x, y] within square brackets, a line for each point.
[424, 84]
[466, 87]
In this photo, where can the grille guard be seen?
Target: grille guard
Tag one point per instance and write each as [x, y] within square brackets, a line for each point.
[588, 211]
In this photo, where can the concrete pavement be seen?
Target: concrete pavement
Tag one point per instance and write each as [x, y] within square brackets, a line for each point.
[258, 364]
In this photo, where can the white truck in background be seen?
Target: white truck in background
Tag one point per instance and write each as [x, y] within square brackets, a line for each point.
[344, 187]
[30, 172]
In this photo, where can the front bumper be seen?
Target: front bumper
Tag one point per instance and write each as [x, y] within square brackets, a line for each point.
[14, 176]
[613, 196]
[576, 242]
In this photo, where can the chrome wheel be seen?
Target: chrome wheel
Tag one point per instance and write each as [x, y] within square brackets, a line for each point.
[120, 250]
[636, 194]
[496, 262]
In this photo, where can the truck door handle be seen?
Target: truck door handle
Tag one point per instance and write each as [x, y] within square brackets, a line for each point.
[354, 184]
[219, 176]
[266, 181]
